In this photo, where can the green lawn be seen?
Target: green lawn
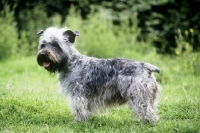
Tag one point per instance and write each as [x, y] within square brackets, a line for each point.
[30, 102]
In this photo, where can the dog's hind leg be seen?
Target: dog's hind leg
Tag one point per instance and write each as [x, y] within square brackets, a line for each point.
[142, 102]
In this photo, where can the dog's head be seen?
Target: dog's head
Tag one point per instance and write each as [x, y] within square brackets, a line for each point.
[55, 48]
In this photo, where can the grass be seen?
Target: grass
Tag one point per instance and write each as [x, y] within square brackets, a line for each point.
[30, 102]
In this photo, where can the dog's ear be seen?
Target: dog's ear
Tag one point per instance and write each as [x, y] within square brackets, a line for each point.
[71, 35]
[40, 32]
[77, 33]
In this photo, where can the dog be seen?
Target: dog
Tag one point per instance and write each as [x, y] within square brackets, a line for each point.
[91, 83]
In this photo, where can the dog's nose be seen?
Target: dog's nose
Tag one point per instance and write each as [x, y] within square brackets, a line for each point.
[43, 54]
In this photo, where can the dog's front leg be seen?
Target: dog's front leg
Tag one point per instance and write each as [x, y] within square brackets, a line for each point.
[80, 108]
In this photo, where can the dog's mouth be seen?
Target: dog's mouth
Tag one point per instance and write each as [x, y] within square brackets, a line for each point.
[46, 64]
[43, 60]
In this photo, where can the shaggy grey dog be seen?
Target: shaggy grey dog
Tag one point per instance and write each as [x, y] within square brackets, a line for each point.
[90, 83]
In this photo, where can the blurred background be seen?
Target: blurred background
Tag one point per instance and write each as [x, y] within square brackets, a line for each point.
[148, 30]
[159, 23]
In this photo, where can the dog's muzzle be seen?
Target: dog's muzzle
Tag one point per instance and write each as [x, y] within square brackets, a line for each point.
[48, 60]
[43, 59]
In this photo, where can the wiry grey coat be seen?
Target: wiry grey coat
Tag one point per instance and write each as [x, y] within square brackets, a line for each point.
[91, 83]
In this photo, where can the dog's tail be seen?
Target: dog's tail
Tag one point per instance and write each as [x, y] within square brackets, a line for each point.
[151, 67]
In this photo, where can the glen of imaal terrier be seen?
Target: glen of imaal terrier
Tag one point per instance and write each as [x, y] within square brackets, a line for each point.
[90, 83]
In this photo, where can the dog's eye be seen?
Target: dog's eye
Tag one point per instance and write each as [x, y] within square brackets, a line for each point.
[55, 47]
[42, 45]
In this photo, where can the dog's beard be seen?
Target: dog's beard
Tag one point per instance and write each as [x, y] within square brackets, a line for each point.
[52, 63]
[48, 62]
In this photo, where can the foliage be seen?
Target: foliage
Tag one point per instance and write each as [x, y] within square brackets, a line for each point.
[13, 42]
[190, 59]
[32, 21]
[158, 20]
[183, 47]
[99, 37]
[8, 32]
